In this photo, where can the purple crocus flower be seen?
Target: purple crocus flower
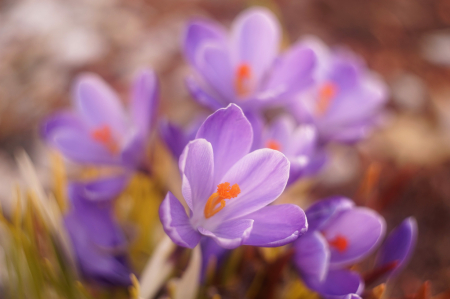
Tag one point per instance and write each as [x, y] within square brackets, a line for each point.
[244, 66]
[97, 240]
[297, 143]
[100, 131]
[339, 235]
[347, 98]
[228, 190]
[394, 254]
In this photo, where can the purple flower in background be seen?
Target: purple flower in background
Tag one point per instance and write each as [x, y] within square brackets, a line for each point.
[297, 143]
[100, 131]
[397, 248]
[98, 242]
[228, 190]
[347, 98]
[244, 66]
[339, 236]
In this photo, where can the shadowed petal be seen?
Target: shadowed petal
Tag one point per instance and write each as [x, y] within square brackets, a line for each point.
[176, 222]
[231, 136]
[276, 225]
[312, 256]
[144, 101]
[104, 189]
[322, 211]
[337, 283]
[201, 95]
[230, 234]
[211, 250]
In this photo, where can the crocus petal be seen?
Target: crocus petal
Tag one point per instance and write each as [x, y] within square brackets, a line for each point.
[63, 119]
[281, 131]
[337, 283]
[144, 101]
[133, 152]
[322, 211]
[230, 234]
[398, 246]
[174, 137]
[312, 256]
[262, 176]
[231, 136]
[211, 250]
[201, 95]
[99, 104]
[362, 229]
[257, 122]
[277, 225]
[197, 168]
[255, 39]
[105, 189]
[198, 32]
[176, 222]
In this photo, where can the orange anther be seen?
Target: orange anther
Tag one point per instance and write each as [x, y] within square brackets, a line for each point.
[243, 77]
[103, 135]
[326, 94]
[340, 243]
[224, 191]
[273, 144]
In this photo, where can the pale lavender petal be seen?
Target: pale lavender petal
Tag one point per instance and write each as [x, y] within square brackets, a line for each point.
[257, 122]
[176, 222]
[277, 225]
[197, 169]
[262, 176]
[60, 120]
[398, 246]
[362, 229]
[133, 153]
[255, 39]
[144, 103]
[280, 131]
[198, 32]
[202, 96]
[337, 283]
[231, 136]
[319, 213]
[312, 256]
[230, 234]
[99, 105]
[105, 189]
[174, 137]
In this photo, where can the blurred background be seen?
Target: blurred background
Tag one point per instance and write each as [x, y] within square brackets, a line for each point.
[402, 170]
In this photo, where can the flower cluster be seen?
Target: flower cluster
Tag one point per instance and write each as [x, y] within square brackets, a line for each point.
[235, 164]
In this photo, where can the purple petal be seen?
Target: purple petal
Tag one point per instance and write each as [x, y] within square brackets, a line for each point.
[176, 222]
[103, 190]
[262, 176]
[312, 256]
[322, 211]
[398, 246]
[231, 136]
[230, 234]
[280, 131]
[174, 137]
[211, 250]
[361, 228]
[60, 120]
[197, 168]
[257, 122]
[99, 105]
[201, 95]
[144, 101]
[277, 225]
[199, 32]
[337, 283]
[255, 39]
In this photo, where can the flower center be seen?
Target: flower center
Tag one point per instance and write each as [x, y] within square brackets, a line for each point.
[216, 201]
[339, 242]
[273, 144]
[103, 135]
[243, 79]
[327, 92]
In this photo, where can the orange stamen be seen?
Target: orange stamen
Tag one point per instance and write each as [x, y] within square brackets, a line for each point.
[326, 94]
[340, 243]
[243, 77]
[224, 191]
[273, 144]
[104, 136]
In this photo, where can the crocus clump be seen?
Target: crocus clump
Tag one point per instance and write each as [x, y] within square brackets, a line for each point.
[228, 190]
[98, 242]
[339, 235]
[245, 66]
[346, 100]
[100, 131]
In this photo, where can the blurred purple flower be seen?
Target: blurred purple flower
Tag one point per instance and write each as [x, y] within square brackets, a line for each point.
[339, 236]
[347, 98]
[98, 242]
[297, 143]
[228, 190]
[397, 248]
[244, 67]
[100, 131]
